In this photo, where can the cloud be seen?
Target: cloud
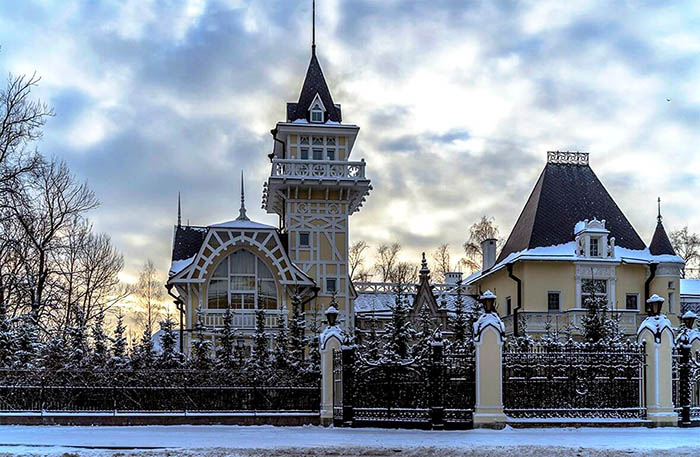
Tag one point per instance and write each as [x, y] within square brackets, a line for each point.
[457, 103]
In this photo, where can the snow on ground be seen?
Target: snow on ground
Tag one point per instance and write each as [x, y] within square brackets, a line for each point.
[311, 440]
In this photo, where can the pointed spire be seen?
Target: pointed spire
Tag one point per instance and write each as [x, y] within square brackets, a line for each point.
[658, 217]
[660, 242]
[241, 212]
[424, 270]
[179, 211]
[313, 28]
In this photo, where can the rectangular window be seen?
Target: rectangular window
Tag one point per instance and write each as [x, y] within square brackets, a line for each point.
[671, 303]
[553, 301]
[304, 154]
[330, 154]
[508, 306]
[331, 285]
[594, 247]
[316, 116]
[217, 294]
[632, 301]
[593, 288]
[304, 239]
[318, 154]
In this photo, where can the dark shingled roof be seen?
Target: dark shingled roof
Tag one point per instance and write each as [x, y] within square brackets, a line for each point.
[314, 83]
[187, 241]
[660, 244]
[564, 195]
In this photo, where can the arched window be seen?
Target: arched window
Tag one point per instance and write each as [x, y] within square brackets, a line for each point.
[243, 280]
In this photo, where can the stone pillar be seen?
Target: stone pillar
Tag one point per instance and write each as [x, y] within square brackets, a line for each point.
[656, 333]
[329, 340]
[488, 338]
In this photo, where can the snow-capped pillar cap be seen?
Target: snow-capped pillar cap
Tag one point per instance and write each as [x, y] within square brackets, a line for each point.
[486, 321]
[657, 325]
[655, 303]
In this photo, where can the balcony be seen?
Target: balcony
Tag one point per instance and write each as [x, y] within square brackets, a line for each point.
[290, 176]
[242, 319]
[536, 322]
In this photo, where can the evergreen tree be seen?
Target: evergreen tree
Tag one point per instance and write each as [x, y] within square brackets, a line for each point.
[119, 357]
[460, 323]
[170, 358]
[100, 353]
[424, 334]
[297, 330]
[281, 352]
[314, 350]
[77, 337]
[261, 352]
[371, 341]
[27, 345]
[399, 332]
[594, 327]
[225, 356]
[201, 346]
[7, 339]
[143, 356]
[54, 355]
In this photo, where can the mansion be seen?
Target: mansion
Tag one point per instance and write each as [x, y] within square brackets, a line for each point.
[570, 238]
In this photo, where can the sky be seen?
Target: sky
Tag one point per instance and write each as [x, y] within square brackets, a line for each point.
[457, 104]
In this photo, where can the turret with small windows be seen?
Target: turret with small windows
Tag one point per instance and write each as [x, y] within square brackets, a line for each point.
[314, 187]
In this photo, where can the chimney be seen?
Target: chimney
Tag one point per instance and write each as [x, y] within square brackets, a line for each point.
[488, 248]
[453, 277]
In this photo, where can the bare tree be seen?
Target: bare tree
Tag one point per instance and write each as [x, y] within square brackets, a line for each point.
[356, 260]
[387, 259]
[45, 206]
[404, 273]
[686, 245]
[21, 122]
[479, 231]
[149, 292]
[441, 262]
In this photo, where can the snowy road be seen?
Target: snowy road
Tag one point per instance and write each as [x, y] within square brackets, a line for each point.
[310, 440]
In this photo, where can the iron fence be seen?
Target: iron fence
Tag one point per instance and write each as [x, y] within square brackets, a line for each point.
[574, 381]
[685, 375]
[154, 391]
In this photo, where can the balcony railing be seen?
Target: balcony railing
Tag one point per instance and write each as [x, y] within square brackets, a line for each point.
[242, 319]
[537, 321]
[317, 169]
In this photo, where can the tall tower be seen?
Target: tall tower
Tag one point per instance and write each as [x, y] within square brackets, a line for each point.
[314, 187]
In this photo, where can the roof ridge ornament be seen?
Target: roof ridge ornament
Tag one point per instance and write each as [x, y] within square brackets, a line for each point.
[567, 158]
[313, 27]
[241, 212]
[179, 211]
[659, 217]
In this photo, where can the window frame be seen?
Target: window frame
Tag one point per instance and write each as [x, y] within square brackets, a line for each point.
[238, 298]
[319, 112]
[551, 293]
[335, 284]
[601, 294]
[636, 299]
[300, 244]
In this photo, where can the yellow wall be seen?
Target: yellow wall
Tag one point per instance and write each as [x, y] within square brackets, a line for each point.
[540, 278]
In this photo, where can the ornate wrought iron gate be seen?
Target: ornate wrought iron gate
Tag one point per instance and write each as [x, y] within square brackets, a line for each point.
[542, 381]
[434, 393]
[686, 384]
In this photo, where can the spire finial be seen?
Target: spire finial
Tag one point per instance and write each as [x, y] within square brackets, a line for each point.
[179, 211]
[658, 217]
[241, 212]
[313, 27]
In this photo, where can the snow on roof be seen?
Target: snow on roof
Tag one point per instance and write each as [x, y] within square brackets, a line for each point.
[690, 286]
[567, 251]
[241, 224]
[176, 266]
[384, 302]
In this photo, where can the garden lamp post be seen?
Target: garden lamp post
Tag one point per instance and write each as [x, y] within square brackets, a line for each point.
[331, 315]
[688, 319]
[654, 304]
[488, 299]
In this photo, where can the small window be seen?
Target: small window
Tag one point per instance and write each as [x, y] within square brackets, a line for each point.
[508, 306]
[305, 153]
[553, 301]
[671, 285]
[591, 288]
[331, 285]
[594, 247]
[318, 154]
[671, 303]
[330, 154]
[632, 302]
[316, 116]
[304, 239]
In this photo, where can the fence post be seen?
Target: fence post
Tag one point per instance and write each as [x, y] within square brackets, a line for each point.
[657, 334]
[488, 339]
[436, 384]
[684, 379]
[348, 384]
[329, 341]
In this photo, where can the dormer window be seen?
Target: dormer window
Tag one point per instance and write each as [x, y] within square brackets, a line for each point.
[317, 111]
[595, 251]
[316, 115]
[594, 240]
